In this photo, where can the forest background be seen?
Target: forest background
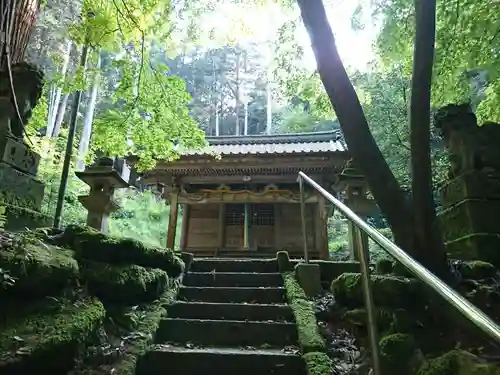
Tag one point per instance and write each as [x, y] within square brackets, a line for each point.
[162, 73]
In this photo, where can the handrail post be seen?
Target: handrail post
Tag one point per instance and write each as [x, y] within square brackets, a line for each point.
[303, 217]
[471, 312]
[369, 304]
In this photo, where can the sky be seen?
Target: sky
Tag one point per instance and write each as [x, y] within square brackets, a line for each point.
[249, 24]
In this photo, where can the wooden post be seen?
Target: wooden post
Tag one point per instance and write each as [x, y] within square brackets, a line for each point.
[222, 225]
[246, 227]
[321, 224]
[186, 212]
[277, 227]
[357, 239]
[172, 220]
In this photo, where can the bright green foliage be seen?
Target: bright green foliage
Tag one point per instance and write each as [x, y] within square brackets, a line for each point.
[151, 120]
[467, 44]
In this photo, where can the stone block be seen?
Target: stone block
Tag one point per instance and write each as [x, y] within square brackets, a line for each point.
[187, 258]
[471, 185]
[468, 217]
[20, 189]
[483, 246]
[18, 155]
[283, 260]
[309, 277]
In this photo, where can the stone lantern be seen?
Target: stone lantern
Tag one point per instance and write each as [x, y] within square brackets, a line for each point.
[352, 182]
[103, 179]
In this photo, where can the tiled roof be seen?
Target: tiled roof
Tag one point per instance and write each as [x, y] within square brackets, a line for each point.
[331, 141]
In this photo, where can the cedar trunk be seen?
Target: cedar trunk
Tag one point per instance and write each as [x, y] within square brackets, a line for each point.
[17, 20]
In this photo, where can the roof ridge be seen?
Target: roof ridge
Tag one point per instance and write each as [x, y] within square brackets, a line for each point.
[306, 137]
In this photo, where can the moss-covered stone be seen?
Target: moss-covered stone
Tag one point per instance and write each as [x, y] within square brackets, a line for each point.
[38, 268]
[318, 364]
[93, 245]
[399, 354]
[147, 327]
[458, 362]
[477, 270]
[388, 290]
[310, 340]
[293, 288]
[123, 284]
[47, 341]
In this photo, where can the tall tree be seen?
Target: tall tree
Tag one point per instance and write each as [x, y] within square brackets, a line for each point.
[426, 230]
[392, 200]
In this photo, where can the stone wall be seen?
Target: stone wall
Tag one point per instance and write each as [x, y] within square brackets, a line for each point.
[471, 197]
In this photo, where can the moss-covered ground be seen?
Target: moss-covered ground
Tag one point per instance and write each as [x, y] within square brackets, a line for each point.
[80, 301]
[419, 333]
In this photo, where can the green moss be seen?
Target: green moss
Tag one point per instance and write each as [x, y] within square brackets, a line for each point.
[310, 339]
[39, 269]
[477, 270]
[48, 341]
[458, 362]
[293, 288]
[94, 245]
[399, 355]
[124, 284]
[388, 290]
[148, 327]
[318, 364]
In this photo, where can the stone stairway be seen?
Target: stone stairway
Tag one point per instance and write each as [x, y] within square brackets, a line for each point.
[231, 317]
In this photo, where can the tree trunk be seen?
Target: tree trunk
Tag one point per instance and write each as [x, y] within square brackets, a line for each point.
[269, 111]
[89, 117]
[56, 95]
[237, 96]
[383, 185]
[428, 236]
[60, 116]
[246, 118]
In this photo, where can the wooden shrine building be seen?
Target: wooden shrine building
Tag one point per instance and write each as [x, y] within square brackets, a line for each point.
[246, 199]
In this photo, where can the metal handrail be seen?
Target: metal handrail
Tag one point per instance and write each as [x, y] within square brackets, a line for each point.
[467, 309]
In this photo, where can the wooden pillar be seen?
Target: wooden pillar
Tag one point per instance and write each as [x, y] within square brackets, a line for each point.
[277, 227]
[221, 233]
[321, 224]
[186, 213]
[246, 227]
[172, 220]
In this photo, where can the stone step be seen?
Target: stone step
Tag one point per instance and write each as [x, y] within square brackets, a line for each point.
[232, 279]
[268, 254]
[182, 361]
[230, 311]
[226, 333]
[234, 265]
[237, 295]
